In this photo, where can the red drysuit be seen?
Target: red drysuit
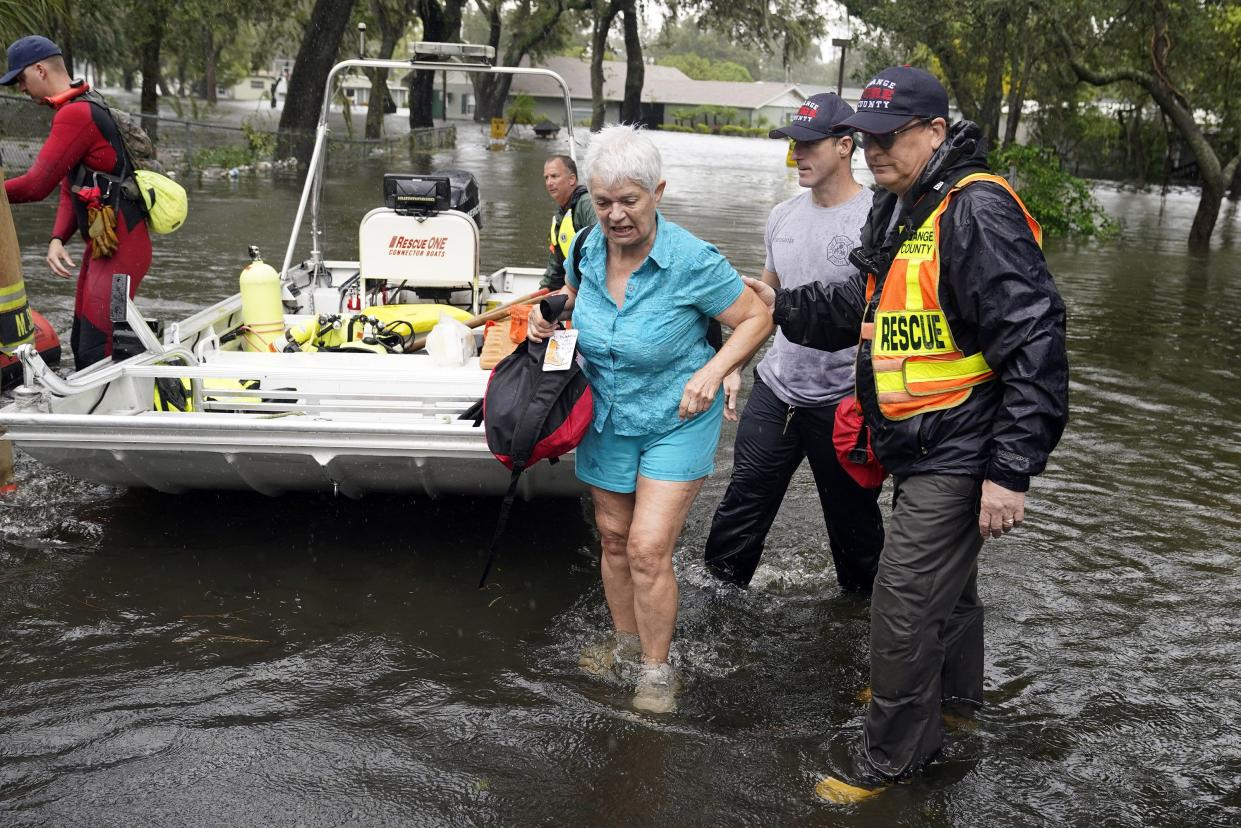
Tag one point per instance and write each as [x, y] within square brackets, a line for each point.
[85, 135]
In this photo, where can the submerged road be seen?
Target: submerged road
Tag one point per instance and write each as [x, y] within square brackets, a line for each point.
[234, 659]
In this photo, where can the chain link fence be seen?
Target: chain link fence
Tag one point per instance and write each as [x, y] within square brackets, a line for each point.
[193, 146]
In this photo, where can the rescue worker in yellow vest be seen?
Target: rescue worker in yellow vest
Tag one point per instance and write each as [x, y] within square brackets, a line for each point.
[573, 214]
[962, 377]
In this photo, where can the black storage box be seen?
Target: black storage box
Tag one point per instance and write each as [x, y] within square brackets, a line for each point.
[429, 194]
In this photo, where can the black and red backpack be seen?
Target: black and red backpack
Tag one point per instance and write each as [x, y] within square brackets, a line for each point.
[530, 414]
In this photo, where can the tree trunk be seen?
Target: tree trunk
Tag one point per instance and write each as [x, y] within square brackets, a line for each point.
[149, 51]
[1234, 191]
[391, 27]
[439, 24]
[1208, 164]
[64, 39]
[376, 103]
[304, 99]
[635, 68]
[598, 46]
[993, 89]
[1016, 96]
[490, 91]
[209, 58]
[491, 98]
[421, 100]
[1206, 215]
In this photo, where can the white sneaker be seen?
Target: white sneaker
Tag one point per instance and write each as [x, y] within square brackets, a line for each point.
[657, 689]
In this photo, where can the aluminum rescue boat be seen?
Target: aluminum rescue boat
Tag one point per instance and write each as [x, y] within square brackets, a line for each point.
[324, 396]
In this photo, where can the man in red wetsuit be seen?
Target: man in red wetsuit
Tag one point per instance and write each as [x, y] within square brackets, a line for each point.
[83, 152]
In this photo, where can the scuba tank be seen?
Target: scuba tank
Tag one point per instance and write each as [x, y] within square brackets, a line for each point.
[262, 311]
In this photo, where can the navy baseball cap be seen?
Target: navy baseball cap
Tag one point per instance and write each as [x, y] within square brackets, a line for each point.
[896, 96]
[25, 52]
[819, 117]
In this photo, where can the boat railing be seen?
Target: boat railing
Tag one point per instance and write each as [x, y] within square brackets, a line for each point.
[37, 374]
[311, 189]
[317, 389]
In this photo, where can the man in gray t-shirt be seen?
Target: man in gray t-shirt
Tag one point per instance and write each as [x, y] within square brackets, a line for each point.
[792, 406]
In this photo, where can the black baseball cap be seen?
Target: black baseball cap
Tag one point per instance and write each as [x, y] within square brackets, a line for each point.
[894, 97]
[818, 117]
[27, 51]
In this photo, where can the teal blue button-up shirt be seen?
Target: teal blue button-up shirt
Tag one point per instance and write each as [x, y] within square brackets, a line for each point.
[639, 356]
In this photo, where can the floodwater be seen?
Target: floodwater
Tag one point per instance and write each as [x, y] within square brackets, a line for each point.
[238, 660]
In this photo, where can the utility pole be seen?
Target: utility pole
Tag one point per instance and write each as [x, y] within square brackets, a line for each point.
[844, 43]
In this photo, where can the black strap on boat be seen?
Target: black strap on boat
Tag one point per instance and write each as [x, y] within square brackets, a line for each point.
[474, 412]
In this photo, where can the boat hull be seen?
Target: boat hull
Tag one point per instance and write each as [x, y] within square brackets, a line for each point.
[273, 457]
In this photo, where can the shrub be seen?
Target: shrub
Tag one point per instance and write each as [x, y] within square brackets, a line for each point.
[1061, 202]
[702, 128]
[674, 128]
[521, 110]
[223, 157]
[262, 145]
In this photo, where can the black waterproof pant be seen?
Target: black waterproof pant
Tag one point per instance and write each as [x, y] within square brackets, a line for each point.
[772, 440]
[926, 622]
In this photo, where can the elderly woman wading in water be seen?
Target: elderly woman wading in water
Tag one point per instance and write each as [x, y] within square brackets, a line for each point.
[642, 294]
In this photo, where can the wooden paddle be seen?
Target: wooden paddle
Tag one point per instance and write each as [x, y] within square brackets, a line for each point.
[484, 318]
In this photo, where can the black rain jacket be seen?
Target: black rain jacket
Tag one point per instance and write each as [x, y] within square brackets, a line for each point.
[998, 297]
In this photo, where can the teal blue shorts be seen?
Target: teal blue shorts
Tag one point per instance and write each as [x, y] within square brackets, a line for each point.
[612, 461]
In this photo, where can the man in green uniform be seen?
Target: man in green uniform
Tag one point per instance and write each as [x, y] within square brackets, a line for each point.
[573, 213]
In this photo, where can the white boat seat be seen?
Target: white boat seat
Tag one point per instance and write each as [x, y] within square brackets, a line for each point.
[439, 251]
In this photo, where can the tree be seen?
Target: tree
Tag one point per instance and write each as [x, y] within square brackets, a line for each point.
[605, 12]
[21, 17]
[441, 23]
[391, 17]
[1138, 42]
[149, 19]
[700, 68]
[208, 38]
[635, 67]
[304, 101]
[533, 29]
[788, 25]
[989, 52]
[696, 50]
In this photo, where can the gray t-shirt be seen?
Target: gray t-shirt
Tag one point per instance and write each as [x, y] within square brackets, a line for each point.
[807, 243]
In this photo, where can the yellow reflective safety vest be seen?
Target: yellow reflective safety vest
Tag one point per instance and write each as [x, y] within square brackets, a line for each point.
[917, 364]
[563, 231]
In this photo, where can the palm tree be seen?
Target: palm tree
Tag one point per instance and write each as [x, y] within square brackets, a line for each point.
[23, 17]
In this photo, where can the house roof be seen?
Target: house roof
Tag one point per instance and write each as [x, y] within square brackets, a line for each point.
[576, 73]
[850, 94]
[660, 84]
[739, 95]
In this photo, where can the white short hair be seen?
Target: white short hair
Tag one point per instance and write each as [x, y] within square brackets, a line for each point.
[620, 153]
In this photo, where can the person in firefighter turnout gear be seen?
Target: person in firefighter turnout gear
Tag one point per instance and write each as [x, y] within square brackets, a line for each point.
[963, 380]
[573, 214]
